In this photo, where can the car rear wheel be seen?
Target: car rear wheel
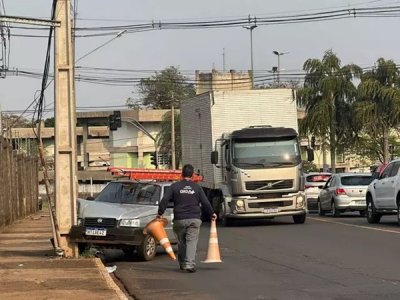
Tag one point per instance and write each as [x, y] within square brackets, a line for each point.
[335, 211]
[321, 212]
[299, 219]
[147, 250]
[372, 216]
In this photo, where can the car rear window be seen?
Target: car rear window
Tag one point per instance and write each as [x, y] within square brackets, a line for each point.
[356, 180]
[318, 178]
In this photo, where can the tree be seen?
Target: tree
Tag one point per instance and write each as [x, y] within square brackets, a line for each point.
[163, 138]
[326, 96]
[378, 105]
[162, 89]
[50, 122]
[14, 121]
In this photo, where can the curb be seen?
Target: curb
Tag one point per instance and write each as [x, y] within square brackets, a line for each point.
[108, 279]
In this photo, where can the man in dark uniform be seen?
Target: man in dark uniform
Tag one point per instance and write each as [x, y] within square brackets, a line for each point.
[187, 197]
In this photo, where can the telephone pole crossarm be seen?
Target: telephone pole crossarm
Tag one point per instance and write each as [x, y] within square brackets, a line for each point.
[30, 21]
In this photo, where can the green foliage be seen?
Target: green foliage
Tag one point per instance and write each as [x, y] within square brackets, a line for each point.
[309, 166]
[50, 122]
[162, 89]
[378, 106]
[164, 137]
[327, 96]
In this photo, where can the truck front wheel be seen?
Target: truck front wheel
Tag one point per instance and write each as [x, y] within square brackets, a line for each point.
[226, 222]
[299, 219]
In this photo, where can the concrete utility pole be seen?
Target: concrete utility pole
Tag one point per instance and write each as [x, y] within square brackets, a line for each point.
[251, 28]
[173, 160]
[65, 131]
[223, 59]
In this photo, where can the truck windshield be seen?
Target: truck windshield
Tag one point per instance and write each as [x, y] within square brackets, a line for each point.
[250, 154]
[130, 193]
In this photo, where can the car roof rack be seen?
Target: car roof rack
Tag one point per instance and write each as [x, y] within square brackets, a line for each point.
[151, 174]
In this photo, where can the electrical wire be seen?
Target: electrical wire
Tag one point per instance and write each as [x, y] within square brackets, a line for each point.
[40, 103]
[321, 15]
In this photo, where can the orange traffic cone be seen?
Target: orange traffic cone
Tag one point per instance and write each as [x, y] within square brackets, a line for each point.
[213, 255]
[156, 229]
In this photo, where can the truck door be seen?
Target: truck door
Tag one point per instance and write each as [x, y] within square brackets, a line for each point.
[230, 176]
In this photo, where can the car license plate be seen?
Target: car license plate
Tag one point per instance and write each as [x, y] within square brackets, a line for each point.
[96, 231]
[361, 202]
[270, 210]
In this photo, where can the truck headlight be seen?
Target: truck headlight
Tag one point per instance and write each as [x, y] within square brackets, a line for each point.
[129, 223]
[239, 203]
[300, 200]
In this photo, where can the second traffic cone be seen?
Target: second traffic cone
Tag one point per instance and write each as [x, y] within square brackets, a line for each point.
[156, 229]
[213, 255]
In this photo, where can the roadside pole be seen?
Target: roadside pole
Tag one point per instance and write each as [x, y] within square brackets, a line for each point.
[65, 131]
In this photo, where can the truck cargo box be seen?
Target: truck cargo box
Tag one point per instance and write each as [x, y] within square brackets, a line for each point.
[206, 117]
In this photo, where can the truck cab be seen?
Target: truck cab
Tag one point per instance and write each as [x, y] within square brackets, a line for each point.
[262, 174]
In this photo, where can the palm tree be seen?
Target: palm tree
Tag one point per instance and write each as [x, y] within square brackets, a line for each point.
[378, 103]
[327, 94]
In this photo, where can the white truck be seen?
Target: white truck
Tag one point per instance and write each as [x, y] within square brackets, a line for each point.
[245, 145]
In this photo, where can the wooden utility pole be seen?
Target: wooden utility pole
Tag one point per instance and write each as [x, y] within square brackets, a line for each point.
[65, 135]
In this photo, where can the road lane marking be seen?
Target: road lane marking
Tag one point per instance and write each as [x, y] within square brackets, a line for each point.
[353, 225]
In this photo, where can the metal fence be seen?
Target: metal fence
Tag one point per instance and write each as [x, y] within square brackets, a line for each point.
[18, 184]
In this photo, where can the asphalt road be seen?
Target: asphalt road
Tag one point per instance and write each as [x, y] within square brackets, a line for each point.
[325, 258]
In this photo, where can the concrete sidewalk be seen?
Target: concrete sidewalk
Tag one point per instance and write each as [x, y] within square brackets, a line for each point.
[29, 270]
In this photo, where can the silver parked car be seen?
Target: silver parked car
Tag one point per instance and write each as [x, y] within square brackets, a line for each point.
[344, 192]
[313, 183]
[118, 215]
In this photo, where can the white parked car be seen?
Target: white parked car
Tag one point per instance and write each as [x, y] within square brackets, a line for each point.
[383, 195]
[313, 183]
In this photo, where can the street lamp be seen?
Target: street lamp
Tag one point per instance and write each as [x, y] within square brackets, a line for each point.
[251, 28]
[277, 53]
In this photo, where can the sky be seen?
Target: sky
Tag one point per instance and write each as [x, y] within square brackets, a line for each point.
[360, 40]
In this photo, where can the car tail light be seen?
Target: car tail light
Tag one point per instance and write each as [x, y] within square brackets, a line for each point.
[340, 192]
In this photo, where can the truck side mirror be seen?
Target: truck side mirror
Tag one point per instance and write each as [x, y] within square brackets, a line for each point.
[214, 157]
[310, 154]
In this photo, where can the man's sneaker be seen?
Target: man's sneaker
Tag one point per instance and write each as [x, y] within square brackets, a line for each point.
[190, 270]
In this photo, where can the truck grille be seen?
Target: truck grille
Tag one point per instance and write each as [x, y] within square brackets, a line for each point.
[270, 204]
[100, 222]
[266, 185]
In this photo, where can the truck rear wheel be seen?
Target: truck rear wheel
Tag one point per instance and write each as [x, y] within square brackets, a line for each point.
[299, 219]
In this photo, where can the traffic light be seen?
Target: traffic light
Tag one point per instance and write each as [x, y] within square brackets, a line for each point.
[114, 120]
[117, 118]
[154, 159]
[112, 123]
